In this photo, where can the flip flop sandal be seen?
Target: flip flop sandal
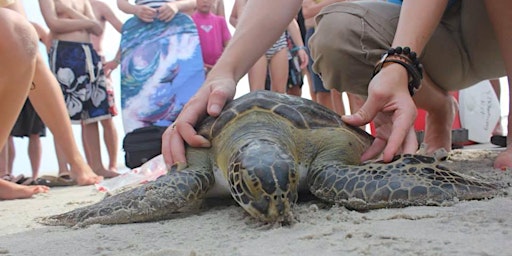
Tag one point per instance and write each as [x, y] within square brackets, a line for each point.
[41, 181]
[58, 181]
[27, 181]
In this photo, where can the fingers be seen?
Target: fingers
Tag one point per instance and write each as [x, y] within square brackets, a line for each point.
[210, 99]
[173, 140]
[364, 115]
[374, 150]
[401, 130]
[145, 13]
[218, 99]
[410, 146]
[166, 12]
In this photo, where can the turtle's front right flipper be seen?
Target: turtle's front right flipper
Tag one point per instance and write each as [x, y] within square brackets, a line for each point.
[173, 193]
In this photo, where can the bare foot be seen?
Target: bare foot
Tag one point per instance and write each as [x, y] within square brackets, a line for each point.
[438, 126]
[107, 173]
[504, 160]
[83, 174]
[10, 190]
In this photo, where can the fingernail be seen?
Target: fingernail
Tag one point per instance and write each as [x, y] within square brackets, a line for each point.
[215, 108]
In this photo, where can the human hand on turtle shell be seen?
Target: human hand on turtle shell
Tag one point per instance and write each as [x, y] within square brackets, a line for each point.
[393, 111]
[210, 99]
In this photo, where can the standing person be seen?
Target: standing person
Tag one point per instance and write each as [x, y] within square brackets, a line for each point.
[213, 32]
[29, 124]
[32, 77]
[78, 69]
[104, 14]
[471, 44]
[47, 99]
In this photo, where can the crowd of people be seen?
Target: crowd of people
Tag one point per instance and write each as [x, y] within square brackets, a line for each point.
[390, 58]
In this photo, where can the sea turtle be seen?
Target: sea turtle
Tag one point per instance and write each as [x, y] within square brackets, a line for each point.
[268, 146]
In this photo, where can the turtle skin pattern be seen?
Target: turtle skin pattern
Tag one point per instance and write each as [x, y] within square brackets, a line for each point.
[266, 147]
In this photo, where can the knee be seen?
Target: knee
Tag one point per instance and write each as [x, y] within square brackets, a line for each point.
[19, 39]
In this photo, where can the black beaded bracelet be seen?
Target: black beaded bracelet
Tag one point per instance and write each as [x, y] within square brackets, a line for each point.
[409, 60]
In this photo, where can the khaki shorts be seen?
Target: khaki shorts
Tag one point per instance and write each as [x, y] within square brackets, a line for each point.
[351, 36]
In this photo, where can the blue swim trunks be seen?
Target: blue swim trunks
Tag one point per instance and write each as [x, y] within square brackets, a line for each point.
[78, 69]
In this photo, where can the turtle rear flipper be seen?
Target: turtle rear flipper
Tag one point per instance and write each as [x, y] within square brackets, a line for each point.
[161, 199]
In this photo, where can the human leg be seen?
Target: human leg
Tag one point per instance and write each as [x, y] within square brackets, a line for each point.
[496, 86]
[441, 108]
[337, 102]
[257, 75]
[278, 67]
[54, 115]
[91, 141]
[35, 153]
[111, 142]
[19, 49]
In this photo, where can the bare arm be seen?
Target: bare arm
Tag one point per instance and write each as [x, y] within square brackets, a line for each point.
[143, 12]
[167, 11]
[89, 14]
[254, 27]
[109, 15]
[41, 32]
[294, 31]
[62, 25]
[388, 95]
[233, 17]
[219, 8]
[259, 26]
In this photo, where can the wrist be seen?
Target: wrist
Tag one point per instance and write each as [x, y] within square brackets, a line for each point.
[408, 60]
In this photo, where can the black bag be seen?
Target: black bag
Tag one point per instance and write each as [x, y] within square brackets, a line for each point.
[142, 144]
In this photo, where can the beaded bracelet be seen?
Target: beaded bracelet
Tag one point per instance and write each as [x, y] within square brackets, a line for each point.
[409, 60]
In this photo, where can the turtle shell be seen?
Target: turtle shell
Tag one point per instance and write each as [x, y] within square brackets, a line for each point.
[302, 113]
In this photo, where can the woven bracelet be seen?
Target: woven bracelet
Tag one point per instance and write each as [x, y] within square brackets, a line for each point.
[406, 58]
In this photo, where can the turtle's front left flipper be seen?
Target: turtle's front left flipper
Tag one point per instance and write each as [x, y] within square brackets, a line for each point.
[407, 180]
[173, 193]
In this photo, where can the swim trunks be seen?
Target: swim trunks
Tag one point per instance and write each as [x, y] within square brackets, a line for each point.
[280, 44]
[28, 122]
[79, 71]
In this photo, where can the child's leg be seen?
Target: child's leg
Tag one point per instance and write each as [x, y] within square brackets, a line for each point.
[279, 70]
[111, 142]
[258, 74]
[35, 153]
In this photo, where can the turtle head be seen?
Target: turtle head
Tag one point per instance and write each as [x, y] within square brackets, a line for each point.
[265, 183]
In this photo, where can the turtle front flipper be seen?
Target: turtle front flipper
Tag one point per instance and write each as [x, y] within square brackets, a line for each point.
[407, 180]
[173, 193]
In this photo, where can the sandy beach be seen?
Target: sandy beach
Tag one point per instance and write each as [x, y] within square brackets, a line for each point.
[222, 228]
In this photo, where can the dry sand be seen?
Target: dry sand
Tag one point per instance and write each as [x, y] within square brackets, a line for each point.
[464, 228]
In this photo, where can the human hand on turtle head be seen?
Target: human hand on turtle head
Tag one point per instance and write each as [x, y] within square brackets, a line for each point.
[210, 99]
[393, 111]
